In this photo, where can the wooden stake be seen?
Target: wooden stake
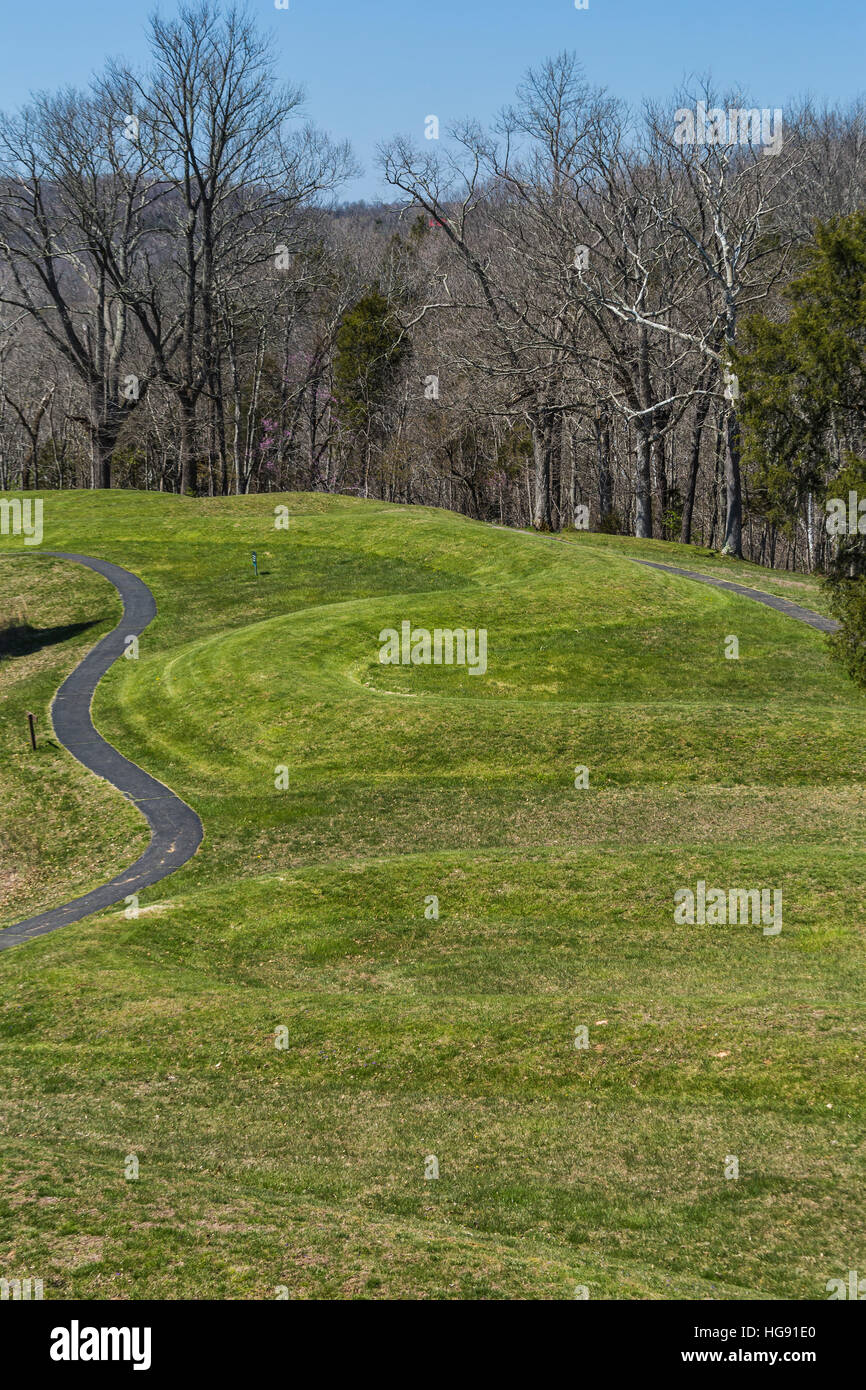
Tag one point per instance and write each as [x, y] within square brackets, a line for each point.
[31, 720]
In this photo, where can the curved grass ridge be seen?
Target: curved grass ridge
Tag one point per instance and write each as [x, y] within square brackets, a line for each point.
[410, 1034]
[176, 831]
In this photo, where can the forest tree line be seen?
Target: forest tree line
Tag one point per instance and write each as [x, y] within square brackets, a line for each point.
[572, 317]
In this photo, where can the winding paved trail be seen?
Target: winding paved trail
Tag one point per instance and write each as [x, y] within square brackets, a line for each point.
[176, 831]
[782, 605]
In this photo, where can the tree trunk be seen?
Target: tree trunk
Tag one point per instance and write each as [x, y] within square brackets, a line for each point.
[189, 463]
[103, 448]
[643, 521]
[542, 472]
[701, 411]
[573, 483]
[733, 544]
[103, 439]
[557, 470]
[657, 456]
[602, 454]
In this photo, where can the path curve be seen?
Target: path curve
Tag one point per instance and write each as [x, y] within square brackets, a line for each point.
[782, 605]
[176, 831]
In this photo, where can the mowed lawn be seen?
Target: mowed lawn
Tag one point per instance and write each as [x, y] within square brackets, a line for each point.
[306, 921]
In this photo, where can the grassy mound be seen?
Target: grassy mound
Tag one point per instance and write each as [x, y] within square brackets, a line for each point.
[306, 920]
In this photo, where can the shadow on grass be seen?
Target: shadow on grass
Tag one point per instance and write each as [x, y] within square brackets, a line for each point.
[20, 639]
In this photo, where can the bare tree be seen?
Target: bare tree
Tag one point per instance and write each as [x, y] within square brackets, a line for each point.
[74, 192]
[235, 176]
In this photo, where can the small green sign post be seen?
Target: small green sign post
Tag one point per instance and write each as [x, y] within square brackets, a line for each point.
[255, 564]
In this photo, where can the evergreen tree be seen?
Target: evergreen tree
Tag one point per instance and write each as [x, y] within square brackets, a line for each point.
[803, 386]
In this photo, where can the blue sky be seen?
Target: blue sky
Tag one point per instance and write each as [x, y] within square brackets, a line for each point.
[375, 67]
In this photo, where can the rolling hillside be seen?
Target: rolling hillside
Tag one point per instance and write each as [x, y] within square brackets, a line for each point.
[306, 920]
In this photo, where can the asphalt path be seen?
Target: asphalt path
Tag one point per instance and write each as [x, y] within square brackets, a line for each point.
[176, 831]
[782, 605]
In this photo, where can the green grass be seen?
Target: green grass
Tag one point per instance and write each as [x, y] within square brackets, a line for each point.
[303, 1167]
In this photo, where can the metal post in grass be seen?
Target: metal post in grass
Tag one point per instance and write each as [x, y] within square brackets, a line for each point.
[31, 720]
[255, 564]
